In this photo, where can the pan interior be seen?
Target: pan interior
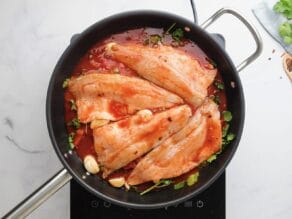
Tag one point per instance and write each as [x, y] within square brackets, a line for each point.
[55, 110]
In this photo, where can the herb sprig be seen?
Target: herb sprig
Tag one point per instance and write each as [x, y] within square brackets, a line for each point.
[284, 7]
[162, 183]
[75, 123]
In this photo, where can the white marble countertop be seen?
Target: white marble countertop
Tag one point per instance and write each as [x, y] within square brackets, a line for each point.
[33, 36]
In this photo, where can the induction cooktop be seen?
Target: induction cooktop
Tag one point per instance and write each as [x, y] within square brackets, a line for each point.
[210, 204]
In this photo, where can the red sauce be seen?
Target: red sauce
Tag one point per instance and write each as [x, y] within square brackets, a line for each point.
[124, 123]
[118, 109]
[94, 59]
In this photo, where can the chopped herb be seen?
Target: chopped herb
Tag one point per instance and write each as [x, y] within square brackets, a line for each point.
[178, 34]
[73, 105]
[74, 123]
[164, 182]
[285, 31]
[225, 130]
[284, 7]
[219, 152]
[230, 137]
[153, 39]
[216, 99]
[219, 85]
[160, 184]
[212, 158]
[227, 116]
[66, 83]
[192, 179]
[170, 28]
[179, 185]
[224, 142]
[70, 140]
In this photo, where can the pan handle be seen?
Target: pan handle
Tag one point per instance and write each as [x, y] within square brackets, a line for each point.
[28, 205]
[250, 27]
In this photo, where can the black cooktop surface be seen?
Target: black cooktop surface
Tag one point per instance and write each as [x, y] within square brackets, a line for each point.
[210, 204]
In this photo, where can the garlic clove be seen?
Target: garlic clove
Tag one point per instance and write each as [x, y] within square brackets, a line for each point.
[146, 115]
[117, 182]
[91, 164]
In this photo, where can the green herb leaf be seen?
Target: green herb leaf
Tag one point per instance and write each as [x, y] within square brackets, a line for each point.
[285, 31]
[216, 99]
[219, 85]
[284, 7]
[73, 105]
[74, 123]
[66, 83]
[225, 130]
[153, 39]
[166, 182]
[224, 142]
[178, 34]
[227, 116]
[179, 185]
[212, 158]
[71, 139]
[192, 179]
[230, 137]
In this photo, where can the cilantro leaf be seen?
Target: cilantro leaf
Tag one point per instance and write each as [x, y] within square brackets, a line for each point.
[227, 116]
[73, 105]
[225, 130]
[192, 179]
[285, 31]
[219, 85]
[65, 83]
[178, 34]
[212, 158]
[230, 137]
[284, 7]
[179, 185]
[74, 123]
[70, 140]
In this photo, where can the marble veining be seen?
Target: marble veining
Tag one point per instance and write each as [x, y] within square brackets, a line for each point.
[13, 142]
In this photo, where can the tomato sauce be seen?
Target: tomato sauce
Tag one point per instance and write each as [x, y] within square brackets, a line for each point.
[94, 59]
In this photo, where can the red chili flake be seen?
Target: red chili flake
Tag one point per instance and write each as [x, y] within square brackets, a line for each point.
[273, 51]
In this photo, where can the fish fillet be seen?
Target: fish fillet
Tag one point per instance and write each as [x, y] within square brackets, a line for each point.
[119, 143]
[167, 67]
[183, 151]
[114, 96]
